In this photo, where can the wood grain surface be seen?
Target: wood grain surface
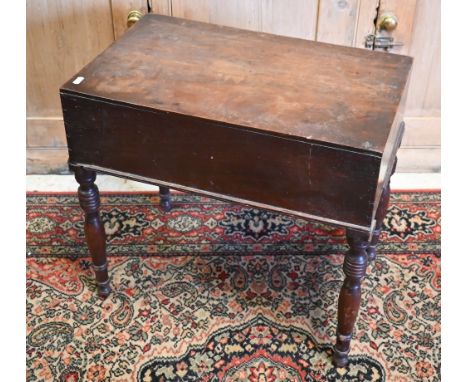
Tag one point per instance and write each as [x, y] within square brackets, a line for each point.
[292, 87]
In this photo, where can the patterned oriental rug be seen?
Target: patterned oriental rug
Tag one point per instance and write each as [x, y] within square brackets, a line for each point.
[220, 292]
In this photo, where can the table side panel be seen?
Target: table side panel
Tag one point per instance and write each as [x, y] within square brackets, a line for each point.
[291, 174]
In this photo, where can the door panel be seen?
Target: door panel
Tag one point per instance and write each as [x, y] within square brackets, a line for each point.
[46, 132]
[294, 18]
[347, 23]
[424, 90]
[404, 10]
[121, 9]
[62, 36]
[419, 29]
[337, 21]
[366, 21]
[243, 14]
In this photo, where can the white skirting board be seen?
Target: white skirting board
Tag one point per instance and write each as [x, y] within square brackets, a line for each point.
[66, 183]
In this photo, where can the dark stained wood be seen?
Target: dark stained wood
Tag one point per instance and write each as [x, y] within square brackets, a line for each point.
[222, 159]
[88, 195]
[387, 165]
[285, 124]
[165, 198]
[307, 121]
[379, 217]
[384, 198]
[313, 91]
[175, 101]
[354, 268]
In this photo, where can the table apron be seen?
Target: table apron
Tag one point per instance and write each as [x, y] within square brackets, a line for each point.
[184, 152]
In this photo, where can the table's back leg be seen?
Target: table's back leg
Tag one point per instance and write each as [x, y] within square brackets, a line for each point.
[354, 268]
[165, 198]
[379, 217]
[88, 195]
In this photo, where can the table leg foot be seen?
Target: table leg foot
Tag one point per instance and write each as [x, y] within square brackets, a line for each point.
[88, 195]
[354, 268]
[165, 198]
[340, 359]
[104, 289]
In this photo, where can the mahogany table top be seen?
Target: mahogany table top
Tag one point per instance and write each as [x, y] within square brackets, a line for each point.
[311, 91]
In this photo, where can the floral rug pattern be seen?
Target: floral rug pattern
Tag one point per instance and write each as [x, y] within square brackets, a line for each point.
[206, 292]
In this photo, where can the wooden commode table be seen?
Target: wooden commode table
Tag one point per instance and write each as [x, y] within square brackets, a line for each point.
[295, 126]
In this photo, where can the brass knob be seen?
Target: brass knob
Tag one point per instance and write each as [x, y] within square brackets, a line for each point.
[133, 17]
[388, 21]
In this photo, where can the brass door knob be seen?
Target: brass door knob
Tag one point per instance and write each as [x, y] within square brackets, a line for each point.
[133, 17]
[388, 21]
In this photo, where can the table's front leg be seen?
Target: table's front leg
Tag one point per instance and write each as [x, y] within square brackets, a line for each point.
[88, 195]
[354, 268]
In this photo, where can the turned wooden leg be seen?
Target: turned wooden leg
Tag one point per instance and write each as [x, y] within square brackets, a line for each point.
[165, 198]
[88, 195]
[354, 268]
